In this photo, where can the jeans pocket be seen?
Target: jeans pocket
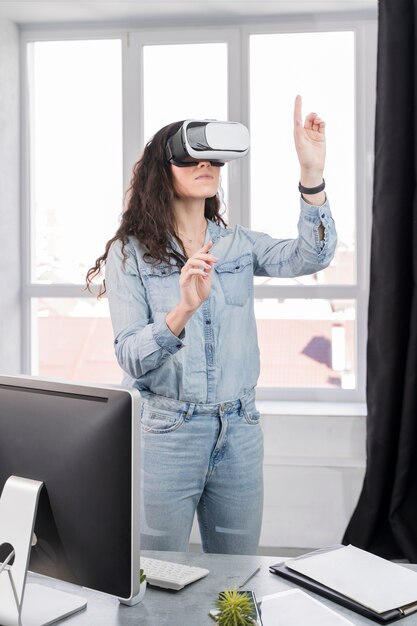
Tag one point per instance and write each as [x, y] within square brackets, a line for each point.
[158, 421]
[236, 278]
[252, 417]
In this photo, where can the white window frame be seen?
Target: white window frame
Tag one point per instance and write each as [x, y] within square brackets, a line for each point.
[237, 37]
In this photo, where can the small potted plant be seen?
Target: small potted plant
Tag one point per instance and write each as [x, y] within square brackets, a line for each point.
[235, 609]
[142, 580]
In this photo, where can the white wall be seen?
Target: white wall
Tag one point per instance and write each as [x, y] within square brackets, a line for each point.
[314, 468]
[10, 324]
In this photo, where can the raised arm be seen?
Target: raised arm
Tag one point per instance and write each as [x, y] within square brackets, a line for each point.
[310, 144]
[315, 246]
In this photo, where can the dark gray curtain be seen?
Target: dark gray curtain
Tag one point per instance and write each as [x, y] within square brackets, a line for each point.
[385, 519]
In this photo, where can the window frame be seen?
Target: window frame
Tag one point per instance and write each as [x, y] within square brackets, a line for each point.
[237, 37]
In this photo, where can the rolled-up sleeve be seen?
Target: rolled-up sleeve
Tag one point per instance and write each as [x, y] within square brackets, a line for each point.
[141, 343]
[306, 254]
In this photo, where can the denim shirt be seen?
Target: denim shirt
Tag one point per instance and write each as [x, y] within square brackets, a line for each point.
[216, 357]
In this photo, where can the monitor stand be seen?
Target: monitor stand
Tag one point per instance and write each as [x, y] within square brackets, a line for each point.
[24, 604]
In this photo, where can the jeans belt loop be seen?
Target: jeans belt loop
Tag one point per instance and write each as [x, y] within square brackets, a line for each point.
[189, 412]
[242, 405]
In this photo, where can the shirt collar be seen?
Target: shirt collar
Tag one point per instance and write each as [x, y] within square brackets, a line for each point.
[214, 232]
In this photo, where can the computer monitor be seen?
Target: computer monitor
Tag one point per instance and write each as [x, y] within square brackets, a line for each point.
[81, 442]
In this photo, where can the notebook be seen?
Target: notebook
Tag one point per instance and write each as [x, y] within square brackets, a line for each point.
[367, 584]
[296, 608]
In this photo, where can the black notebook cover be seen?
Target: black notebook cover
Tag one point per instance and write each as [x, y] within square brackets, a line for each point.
[383, 618]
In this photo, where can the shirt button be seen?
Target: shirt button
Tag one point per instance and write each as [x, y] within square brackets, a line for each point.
[208, 321]
[323, 215]
[178, 345]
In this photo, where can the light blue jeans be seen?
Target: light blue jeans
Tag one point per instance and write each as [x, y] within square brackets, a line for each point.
[206, 458]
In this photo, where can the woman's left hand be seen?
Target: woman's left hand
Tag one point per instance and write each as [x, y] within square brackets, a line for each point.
[310, 140]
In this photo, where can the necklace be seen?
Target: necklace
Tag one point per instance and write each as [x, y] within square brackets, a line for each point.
[191, 240]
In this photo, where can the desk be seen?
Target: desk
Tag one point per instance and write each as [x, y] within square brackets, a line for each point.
[190, 606]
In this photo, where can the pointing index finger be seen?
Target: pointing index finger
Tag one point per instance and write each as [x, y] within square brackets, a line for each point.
[206, 246]
[297, 112]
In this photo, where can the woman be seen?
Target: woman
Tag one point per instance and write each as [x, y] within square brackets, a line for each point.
[180, 290]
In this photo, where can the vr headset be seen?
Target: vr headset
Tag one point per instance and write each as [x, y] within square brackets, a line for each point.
[207, 140]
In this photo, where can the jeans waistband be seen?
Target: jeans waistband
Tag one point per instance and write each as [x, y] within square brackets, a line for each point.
[193, 408]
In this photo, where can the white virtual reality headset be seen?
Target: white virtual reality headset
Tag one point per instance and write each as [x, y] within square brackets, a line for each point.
[207, 140]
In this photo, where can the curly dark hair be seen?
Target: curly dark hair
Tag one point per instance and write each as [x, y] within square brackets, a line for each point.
[148, 213]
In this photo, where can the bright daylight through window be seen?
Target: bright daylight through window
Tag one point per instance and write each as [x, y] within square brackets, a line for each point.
[304, 342]
[76, 196]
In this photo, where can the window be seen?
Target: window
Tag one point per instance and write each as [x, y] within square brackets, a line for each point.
[176, 88]
[75, 199]
[328, 90]
[172, 97]
[88, 121]
[76, 139]
[304, 343]
[73, 339]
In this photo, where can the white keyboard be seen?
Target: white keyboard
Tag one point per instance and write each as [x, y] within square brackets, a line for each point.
[170, 575]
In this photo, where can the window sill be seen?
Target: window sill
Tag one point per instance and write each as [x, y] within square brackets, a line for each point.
[323, 409]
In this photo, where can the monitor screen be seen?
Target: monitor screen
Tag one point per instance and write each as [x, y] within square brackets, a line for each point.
[82, 442]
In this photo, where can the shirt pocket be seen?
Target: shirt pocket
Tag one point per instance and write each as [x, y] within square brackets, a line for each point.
[236, 279]
[163, 286]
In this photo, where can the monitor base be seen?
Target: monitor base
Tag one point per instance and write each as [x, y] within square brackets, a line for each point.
[23, 604]
[43, 605]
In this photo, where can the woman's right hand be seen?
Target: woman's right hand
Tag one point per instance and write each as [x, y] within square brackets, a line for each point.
[195, 278]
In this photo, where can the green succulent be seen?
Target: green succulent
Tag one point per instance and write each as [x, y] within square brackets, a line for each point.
[235, 609]
[142, 576]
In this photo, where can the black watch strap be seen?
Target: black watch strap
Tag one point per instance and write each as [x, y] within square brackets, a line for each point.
[311, 190]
